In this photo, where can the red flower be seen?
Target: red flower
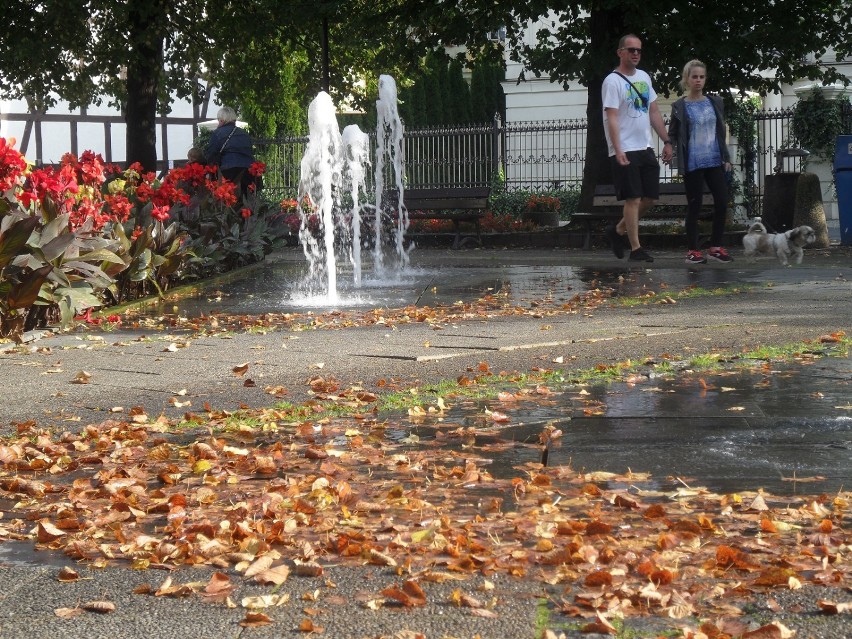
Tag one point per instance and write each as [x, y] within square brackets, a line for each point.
[114, 319]
[246, 213]
[12, 165]
[120, 206]
[257, 168]
[144, 192]
[160, 213]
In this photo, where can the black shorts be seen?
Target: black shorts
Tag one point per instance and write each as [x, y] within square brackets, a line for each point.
[640, 178]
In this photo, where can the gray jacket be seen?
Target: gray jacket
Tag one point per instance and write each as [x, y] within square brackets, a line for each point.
[679, 131]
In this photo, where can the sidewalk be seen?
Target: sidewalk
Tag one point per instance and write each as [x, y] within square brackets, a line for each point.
[158, 366]
[150, 367]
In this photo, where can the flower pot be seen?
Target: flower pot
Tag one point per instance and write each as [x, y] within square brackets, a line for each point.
[542, 218]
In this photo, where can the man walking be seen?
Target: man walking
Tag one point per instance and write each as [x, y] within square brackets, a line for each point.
[630, 110]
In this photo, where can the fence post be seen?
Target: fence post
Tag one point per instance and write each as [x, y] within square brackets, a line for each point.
[498, 148]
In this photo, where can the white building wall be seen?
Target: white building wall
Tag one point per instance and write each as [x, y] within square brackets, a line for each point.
[56, 136]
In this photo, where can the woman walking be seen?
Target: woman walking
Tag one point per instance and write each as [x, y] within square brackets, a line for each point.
[697, 131]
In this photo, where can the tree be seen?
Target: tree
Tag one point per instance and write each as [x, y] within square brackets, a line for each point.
[80, 50]
[747, 46]
[138, 55]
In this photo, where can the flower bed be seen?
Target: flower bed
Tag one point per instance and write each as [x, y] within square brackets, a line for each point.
[87, 235]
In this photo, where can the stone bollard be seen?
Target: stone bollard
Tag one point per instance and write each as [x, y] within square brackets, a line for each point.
[809, 209]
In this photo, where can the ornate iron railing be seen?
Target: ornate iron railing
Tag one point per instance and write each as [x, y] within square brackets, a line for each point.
[541, 155]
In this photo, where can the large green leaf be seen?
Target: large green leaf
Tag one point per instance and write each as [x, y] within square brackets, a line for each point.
[24, 293]
[93, 273]
[101, 255]
[55, 228]
[15, 238]
[57, 246]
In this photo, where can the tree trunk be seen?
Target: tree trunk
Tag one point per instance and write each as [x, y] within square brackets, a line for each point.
[144, 70]
[606, 27]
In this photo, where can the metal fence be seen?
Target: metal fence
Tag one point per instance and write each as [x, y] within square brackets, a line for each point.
[535, 156]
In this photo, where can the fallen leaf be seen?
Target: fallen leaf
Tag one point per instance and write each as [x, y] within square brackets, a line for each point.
[82, 377]
[255, 619]
[67, 575]
[833, 608]
[102, 607]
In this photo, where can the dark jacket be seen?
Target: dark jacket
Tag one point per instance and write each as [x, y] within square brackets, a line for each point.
[238, 151]
[679, 131]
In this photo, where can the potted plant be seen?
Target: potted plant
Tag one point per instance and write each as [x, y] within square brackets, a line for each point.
[542, 210]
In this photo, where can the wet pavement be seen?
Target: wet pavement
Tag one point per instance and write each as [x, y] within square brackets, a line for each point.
[784, 427]
[445, 277]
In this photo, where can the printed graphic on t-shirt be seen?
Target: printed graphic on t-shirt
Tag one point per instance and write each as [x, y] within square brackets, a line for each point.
[637, 102]
[704, 150]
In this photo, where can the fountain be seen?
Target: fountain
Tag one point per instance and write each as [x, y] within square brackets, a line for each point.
[333, 178]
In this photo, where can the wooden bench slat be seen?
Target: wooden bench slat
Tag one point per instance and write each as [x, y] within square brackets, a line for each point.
[433, 203]
[609, 208]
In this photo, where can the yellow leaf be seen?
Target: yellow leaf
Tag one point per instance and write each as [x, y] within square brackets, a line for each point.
[201, 466]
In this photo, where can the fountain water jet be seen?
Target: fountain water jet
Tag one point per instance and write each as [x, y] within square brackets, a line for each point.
[389, 133]
[318, 187]
[333, 177]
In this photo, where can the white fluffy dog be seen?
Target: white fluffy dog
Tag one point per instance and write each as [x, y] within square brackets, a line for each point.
[784, 245]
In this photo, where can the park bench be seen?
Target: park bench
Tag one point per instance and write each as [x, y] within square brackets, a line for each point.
[608, 208]
[459, 204]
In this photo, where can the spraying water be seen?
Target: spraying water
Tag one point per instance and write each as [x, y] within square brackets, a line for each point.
[333, 177]
[318, 188]
[356, 146]
[389, 133]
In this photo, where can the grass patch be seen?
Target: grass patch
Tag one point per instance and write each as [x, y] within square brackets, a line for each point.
[487, 385]
[667, 297]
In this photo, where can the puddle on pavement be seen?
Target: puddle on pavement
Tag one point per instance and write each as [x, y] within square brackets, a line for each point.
[778, 430]
[16, 553]
[271, 287]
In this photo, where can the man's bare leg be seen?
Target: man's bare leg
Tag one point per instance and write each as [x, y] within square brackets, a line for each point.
[634, 209]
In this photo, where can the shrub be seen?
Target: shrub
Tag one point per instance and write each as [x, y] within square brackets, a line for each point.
[87, 234]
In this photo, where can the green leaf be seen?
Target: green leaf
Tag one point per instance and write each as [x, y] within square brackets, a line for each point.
[57, 246]
[15, 238]
[54, 229]
[23, 294]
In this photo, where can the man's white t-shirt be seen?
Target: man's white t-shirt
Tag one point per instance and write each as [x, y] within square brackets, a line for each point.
[634, 123]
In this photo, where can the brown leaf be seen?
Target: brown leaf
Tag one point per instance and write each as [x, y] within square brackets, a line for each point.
[102, 607]
[833, 608]
[68, 613]
[378, 558]
[309, 626]
[255, 619]
[307, 568]
[410, 595]
[67, 575]
[467, 601]
[276, 576]
[47, 532]
[769, 631]
[598, 579]
[240, 370]
[82, 377]
[218, 589]
[259, 565]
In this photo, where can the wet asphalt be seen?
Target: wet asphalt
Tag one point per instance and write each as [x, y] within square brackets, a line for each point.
[155, 366]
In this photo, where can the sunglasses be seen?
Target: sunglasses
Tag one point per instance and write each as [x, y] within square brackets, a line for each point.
[632, 50]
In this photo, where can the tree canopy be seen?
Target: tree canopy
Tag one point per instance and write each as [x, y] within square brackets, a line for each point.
[266, 55]
[747, 46]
